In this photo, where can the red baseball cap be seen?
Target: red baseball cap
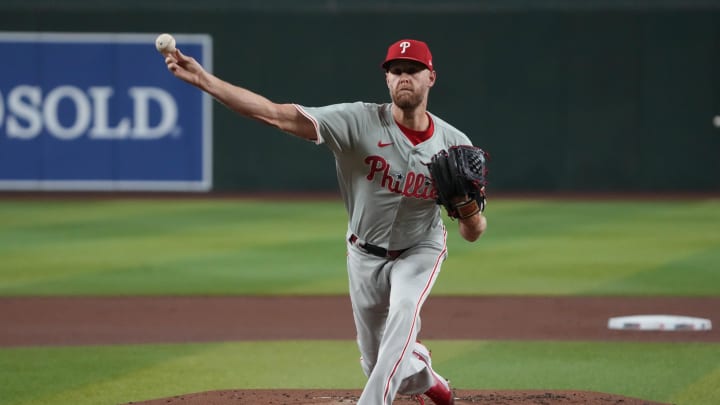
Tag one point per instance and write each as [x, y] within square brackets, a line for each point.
[410, 49]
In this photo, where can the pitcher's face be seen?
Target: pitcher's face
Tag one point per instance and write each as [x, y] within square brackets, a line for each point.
[409, 83]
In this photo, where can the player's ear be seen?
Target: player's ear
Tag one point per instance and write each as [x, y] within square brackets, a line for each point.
[432, 77]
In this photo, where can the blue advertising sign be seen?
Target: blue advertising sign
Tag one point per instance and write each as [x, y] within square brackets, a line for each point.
[100, 111]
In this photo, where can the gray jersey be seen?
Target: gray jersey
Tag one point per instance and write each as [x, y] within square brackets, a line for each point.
[383, 178]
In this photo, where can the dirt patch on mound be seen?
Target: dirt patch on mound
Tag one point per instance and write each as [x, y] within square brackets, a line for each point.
[347, 397]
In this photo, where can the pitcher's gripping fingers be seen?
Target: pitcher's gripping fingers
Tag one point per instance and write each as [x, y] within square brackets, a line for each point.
[185, 67]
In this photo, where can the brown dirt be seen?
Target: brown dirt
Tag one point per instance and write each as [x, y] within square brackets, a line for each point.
[40, 321]
[347, 397]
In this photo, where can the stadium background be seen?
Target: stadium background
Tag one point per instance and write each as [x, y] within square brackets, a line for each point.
[582, 95]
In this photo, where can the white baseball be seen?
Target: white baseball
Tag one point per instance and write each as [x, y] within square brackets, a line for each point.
[165, 43]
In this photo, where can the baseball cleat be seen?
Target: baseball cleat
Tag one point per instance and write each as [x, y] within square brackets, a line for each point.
[440, 392]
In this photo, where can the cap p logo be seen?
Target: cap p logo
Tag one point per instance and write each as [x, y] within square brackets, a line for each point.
[409, 49]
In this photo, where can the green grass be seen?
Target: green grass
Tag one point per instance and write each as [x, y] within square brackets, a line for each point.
[591, 248]
[169, 247]
[191, 247]
[666, 372]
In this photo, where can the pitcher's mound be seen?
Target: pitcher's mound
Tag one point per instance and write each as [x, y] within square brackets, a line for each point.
[348, 397]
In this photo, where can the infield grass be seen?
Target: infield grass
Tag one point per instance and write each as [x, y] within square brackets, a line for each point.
[227, 247]
[672, 373]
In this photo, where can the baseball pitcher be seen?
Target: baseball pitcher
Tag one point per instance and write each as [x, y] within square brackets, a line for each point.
[396, 164]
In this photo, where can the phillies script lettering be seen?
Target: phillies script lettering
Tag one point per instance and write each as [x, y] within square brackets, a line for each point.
[415, 185]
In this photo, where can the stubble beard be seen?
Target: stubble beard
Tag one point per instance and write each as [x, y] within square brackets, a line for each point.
[406, 100]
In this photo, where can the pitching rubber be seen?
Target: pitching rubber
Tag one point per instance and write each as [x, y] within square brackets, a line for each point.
[659, 322]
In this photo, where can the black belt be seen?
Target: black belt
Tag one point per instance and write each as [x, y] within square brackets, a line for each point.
[377, 250]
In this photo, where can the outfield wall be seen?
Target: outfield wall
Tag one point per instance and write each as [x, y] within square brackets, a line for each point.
[566, 96]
